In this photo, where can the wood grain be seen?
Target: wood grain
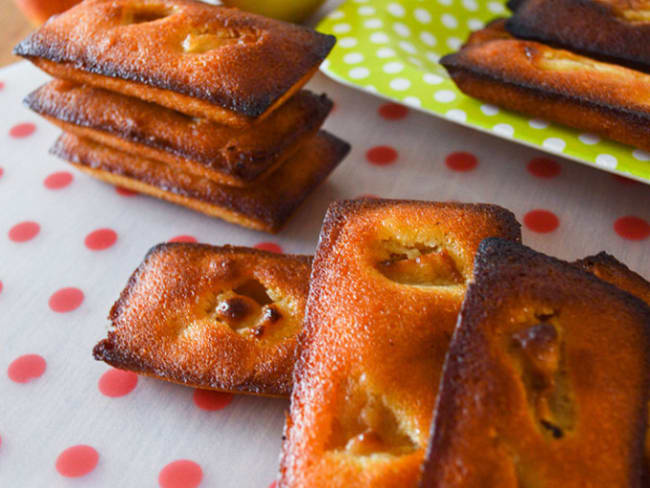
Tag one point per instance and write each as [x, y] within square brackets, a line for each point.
[13, 27]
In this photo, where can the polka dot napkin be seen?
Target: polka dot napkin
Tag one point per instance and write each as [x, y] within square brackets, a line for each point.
[69, 243]
[392, 48]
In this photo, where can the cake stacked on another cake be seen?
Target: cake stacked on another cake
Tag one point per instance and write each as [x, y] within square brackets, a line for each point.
[192, 103]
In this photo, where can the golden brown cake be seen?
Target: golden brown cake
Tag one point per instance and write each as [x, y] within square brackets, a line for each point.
[203, 60]
[221, 153]
[387, 283]
[554, 84]
[611, 270]
[612, 29]
[266, 205]
[546, 380]
[222, 318]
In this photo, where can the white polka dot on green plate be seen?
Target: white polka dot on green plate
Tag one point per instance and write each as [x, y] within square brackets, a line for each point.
[589, 139]
[428, 38]
[408, 47]
[470, 5]
[347, 42]
[400, 84]
[402, 29]
[342, 28]
[454, 42]
[386, 52]
[445, 96]
[373, 23]
[641, 155]
[554, 144]
[353, 58]
[393, 67]
[379, 38]
[432, 79]
[456, 114]
[413, 101]
[396, 9]
[359, 73]
[489, 110]
[606, 161]
[503, 129]
[449, 21]
[538, 124]
[366, 10]
[422, 15]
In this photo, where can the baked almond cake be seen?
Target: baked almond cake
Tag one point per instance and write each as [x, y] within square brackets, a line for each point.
[223, 318]
[203, 60]
[546, 381]
[554, 84]
[236, 157]
[618, 30]
[264, 206]
[387, 284]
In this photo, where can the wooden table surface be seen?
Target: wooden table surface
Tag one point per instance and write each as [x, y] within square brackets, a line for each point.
[13, 27]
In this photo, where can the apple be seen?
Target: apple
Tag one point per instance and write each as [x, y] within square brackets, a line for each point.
[289, 10]
[38, 11]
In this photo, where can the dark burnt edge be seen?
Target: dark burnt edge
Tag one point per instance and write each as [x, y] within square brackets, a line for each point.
[31, 48]
[628, 116]
[523, 31]
[609, 260]
[240, 167]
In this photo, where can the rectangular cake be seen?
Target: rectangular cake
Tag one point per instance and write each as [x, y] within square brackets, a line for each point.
[207, 61]
[387, 283]
[554, 84]
[265, 206]
[618, 30]
[223, 154]
[222, 318]
[546, 381]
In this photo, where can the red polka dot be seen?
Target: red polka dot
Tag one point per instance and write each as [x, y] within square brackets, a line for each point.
[100, 239]
[2, 171]
[26, 368]
[544, 168]
[24, 231]
[125, 192]
[632, 228]
[211, 400]
[19, 131]
[381, 155]
[2, 85]
[66, 299]
[77, 461]
[541, 221]
[273, 485]
[461, 161]
[269, 246]
[393, 111]
[58, 180]
[1, 286]
[117, 383]
[183, 238]
[180, 474]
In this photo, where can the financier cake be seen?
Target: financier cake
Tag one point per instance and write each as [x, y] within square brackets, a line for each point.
[546, 381]
[266, 205]
[554, 84]
[618, 30]
[223, 318]
[203, 60]
[387, 284]
[236, 157]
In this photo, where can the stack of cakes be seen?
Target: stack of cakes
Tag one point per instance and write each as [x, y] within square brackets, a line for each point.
[188, 102]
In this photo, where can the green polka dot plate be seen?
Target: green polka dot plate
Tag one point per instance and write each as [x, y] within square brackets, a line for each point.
[391, 48]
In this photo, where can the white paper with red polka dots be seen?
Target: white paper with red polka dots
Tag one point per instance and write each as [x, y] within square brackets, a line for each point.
[68, 244]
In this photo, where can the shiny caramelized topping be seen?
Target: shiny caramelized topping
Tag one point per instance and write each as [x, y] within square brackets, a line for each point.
[197, 42]
[538, 350]
[556, 60]
[138, 14]
[420, 265]
[368, 426]
[249, 310]
[639, 13]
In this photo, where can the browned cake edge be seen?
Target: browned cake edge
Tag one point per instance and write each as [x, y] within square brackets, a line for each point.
[248, 168]
[614, 122]
[489, 268]
[587, 26]
[255, 215]
[37, 49]
[106, 349]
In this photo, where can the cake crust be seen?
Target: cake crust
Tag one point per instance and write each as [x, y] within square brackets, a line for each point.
[554, 84]
[522, 399]
[234, 66]
[264, 206]
[386, 287]
[615, 30]
[221, 318]
[223, 154]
